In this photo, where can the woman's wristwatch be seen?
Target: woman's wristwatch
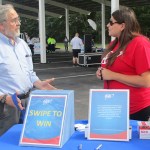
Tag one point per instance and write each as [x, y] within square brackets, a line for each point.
[3, 99]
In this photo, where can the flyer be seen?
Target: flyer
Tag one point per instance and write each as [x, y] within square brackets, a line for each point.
[109, 115]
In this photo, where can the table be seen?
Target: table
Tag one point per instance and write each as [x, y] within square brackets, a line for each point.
[10, 141]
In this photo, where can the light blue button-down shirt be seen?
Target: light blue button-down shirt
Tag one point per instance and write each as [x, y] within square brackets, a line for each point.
[16, 67]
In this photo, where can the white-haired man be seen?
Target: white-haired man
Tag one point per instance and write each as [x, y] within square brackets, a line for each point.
[16, 69]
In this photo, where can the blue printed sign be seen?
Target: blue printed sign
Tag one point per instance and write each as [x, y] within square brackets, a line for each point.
[45, 119]
[109, 115]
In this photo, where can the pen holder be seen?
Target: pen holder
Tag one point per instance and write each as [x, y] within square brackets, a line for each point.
[86, 131]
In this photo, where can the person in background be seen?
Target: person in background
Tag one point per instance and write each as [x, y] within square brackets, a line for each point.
[30, 44]
[126, 62]
[66, 41]
[49, 47]
[16, 69]
[53, 44]
[92, 42]
[76, 44]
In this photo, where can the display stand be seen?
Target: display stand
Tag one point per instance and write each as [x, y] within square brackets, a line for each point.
[49, 120]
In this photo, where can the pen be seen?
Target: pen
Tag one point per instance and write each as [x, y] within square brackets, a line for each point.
[101, 73]
[80, 147]
[101, 77]
[99, 147]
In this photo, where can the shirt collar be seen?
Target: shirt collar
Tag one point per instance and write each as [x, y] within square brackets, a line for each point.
[7, 40]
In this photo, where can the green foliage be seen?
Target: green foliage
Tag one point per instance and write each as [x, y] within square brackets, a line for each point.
[30, 26]
[143, 16]
[78, 23]
[55, 27]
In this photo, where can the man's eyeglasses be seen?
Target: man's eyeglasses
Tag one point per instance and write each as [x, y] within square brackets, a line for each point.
[15, 20]
[112, 23]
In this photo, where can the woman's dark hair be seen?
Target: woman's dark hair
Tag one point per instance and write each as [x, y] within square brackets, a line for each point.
[131, 30]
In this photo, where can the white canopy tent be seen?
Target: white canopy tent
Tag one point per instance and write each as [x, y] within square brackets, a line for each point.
[114, 6]
[63, 5]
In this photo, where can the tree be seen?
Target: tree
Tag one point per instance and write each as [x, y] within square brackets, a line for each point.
[78, 23]
[143, 16]
[30, 26]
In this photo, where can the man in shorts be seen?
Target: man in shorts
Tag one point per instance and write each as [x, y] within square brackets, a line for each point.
[76, 44]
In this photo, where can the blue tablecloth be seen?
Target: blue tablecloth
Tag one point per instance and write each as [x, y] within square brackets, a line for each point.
[10, 141]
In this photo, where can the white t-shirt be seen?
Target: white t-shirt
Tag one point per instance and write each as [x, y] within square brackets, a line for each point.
[76, 43]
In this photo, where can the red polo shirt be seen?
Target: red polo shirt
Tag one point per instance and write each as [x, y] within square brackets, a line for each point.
[134, 61]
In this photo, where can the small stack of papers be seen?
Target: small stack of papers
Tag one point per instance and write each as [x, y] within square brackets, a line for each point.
[144, 129]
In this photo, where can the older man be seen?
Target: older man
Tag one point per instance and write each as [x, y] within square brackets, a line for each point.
[16, 69]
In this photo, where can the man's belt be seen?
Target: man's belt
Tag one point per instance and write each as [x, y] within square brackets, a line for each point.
[24, 96]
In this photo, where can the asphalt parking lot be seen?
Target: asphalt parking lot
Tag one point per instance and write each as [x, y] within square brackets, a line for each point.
[80, 79]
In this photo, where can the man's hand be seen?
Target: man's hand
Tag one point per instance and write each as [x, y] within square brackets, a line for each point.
[45, 85]
[9, 101]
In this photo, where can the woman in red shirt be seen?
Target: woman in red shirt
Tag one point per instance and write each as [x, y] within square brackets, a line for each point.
[126, 62]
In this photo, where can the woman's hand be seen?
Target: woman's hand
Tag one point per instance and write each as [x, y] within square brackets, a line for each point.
[107, 74]
[104, 74]
[99, 73]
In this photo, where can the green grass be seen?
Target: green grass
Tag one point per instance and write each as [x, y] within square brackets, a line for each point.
[61, 45]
